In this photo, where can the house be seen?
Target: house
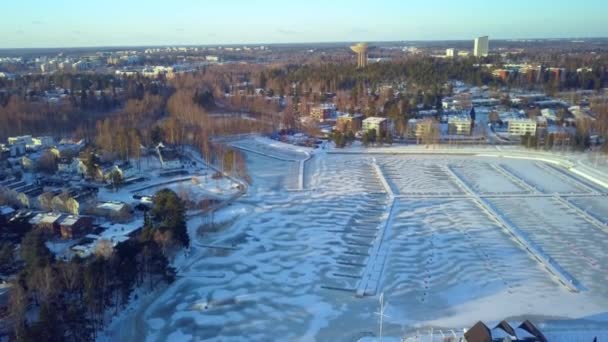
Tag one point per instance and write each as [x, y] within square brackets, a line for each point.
[349, 122]
[380, 125]
[503, 331]
[48, 222]
[478, 333]
[75, 226]
[117, 211]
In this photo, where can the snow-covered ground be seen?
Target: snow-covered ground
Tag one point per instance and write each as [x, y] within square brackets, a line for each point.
[288, 264]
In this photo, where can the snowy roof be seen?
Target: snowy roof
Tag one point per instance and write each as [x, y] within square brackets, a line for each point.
[116, 232]
[374, 119]
[70, 220]
[112, 206]
[349, 116]
[459, 118]
[46, 218]
[522, 120]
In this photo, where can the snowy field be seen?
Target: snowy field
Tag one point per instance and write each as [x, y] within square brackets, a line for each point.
[289, 263]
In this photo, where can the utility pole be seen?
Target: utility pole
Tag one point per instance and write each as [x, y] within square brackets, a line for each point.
[381, 314]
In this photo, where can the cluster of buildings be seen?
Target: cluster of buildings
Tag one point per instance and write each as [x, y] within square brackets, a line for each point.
[20, 145]
[533, 73]
[61, 64]
[73, 204]
[329, 118]
[475, 114]
[481, 48]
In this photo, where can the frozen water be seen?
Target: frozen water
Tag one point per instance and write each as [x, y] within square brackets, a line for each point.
[298, 257]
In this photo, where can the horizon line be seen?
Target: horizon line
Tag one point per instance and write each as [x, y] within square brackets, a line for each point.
[290, 43]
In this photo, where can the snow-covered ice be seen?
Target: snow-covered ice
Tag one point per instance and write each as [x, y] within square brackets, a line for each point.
[298, 257]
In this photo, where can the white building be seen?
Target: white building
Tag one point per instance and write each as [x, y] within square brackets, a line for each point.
[418, 128]
[459, 125]
[482, 46]
[522, 126]
[451, 53]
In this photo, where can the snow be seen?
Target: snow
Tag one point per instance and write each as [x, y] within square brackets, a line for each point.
[112, 206]
[118, 231]
[289, 263]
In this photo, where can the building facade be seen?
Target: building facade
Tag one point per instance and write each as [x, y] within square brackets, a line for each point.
[323, 112]
[482, 47]
[522, 127]
[380, 125]
[459, 125]
[349, 123]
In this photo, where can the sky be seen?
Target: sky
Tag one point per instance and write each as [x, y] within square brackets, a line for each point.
[70, 23]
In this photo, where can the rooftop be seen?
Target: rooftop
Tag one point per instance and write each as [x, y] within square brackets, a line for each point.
[45, 218]
[374, 119]
[112, 206]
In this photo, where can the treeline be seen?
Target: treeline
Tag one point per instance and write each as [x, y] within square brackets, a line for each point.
[26, 108]
[56, 300]
[421, 72]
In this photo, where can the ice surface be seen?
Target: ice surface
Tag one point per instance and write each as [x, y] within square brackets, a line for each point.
[298, 257]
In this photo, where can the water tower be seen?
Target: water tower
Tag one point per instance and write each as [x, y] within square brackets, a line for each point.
[361, 51]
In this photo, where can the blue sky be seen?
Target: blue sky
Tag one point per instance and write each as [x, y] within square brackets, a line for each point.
[66, 23]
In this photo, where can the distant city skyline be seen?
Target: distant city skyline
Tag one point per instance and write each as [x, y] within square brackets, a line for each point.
[69, 23]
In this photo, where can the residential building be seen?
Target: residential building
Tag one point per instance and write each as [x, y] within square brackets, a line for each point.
[482, 47]
[380, 125]
[451, 53]
[75, 226]
[117, 211]
[349, 122]
[522, 126]
[323, 112]
[459, 125]
[418, 128]
[48, 222]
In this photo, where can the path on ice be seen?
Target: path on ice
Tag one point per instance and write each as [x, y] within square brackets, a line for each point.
[551, 265]
[372, 273]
